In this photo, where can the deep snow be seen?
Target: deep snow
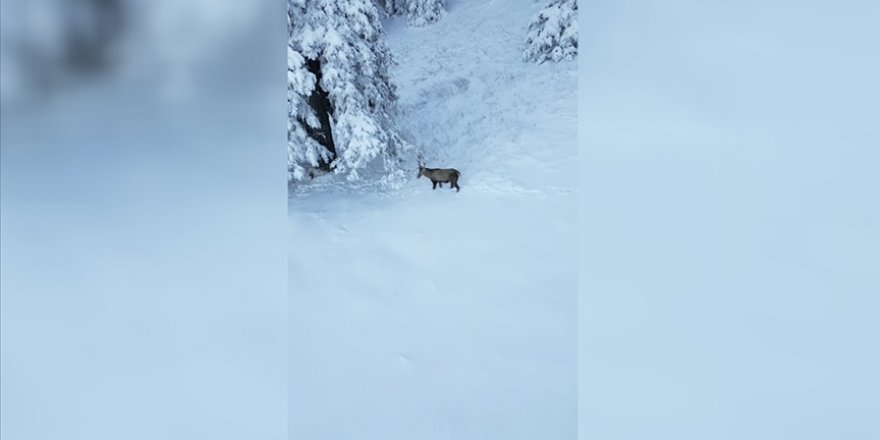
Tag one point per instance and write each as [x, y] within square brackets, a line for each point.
[434, 314]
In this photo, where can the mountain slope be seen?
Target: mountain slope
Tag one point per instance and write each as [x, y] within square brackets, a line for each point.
[435, 314]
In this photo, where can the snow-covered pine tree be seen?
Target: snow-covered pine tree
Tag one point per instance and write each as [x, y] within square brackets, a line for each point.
[424, 12]
[418, 12]
[392, 8]
[340, 97]
[553, 33]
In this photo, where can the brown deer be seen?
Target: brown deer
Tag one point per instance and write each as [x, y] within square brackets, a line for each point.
[440, 175]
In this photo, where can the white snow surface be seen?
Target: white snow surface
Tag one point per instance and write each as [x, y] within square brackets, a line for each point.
[420, 314]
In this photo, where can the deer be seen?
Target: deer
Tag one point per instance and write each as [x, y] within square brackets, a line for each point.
[440, 175]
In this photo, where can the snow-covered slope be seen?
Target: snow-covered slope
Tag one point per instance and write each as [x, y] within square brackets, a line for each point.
[420, 314]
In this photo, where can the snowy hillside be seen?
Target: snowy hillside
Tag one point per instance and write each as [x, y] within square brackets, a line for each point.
[420, 314]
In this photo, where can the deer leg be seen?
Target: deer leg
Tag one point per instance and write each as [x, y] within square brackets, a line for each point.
[440, 183]
[435, 185]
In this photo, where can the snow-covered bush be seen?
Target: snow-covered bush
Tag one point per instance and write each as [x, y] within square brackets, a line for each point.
[418, 12]
[340, 97]
[553, 33]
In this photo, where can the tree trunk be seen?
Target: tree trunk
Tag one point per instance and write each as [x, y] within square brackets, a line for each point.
[319, 101]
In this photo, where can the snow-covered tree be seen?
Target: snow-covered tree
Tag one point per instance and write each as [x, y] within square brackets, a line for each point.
[392, 8]
[424, 12]
[553, 33]
[418, 12]
[340, 97]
